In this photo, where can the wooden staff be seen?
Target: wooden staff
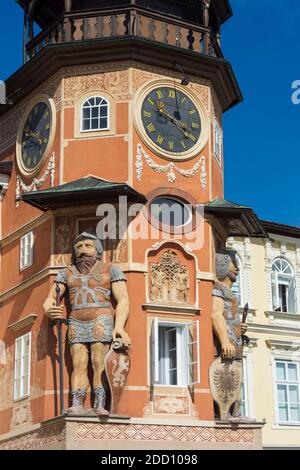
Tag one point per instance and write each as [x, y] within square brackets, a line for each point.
[59, 323]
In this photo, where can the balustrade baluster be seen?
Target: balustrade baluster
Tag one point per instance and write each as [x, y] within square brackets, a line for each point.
[107, 26]
[197, 41]
[184, 40]
[78, 32]
[100, 27]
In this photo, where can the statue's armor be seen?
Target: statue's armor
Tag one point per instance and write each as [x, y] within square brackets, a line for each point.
[91, 291]
[231, 315]
[92, 314]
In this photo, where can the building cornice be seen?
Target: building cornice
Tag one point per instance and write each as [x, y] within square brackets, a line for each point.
[273, 329]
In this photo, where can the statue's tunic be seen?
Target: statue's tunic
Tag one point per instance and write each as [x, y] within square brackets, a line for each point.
[92, 315]
[231, 315]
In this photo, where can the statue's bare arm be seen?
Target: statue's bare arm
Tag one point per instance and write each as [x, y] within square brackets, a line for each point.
[50, 308]
[119, 291]
[220, 328]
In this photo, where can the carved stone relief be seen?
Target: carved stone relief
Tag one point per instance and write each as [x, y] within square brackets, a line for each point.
[116, 83]
[21, 415]
[65, 232]
[169, 280]
[171, 405]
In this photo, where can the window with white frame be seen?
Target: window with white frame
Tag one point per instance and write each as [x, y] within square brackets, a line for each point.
[26, 250]
[217, 142]
[95, 114]
[283, 287]
[244, 391]
[238, 286]
[22, 367]
[175, 353]
[288, 392]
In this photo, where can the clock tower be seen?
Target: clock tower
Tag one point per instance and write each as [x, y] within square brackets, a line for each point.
[117, 102]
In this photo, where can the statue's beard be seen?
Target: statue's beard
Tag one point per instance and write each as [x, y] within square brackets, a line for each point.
[84, 263]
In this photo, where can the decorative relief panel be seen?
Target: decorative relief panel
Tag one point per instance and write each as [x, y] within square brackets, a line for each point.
[171, 405]
[21, 415]
[169, 280]
[134, 432]
[65, 232]
[116, 83]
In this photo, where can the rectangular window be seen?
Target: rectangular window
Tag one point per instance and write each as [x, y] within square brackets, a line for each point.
[244, 390]
[26, 250]
[287, 389]
[175, 353]
[217, 142]
[22, 367]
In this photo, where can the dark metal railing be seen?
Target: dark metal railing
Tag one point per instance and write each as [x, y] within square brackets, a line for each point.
[128, 22]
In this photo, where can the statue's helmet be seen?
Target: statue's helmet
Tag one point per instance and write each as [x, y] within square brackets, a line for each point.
[223, 259]
[90, 235]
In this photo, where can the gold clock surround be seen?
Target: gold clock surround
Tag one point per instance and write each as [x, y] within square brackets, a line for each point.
[32, 103]
[137, 106]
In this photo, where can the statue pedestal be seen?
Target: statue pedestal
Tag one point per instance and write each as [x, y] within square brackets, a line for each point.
[122, 433]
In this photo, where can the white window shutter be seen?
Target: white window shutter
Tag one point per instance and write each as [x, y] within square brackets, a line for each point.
[22, 252]
[193, 338]
[30, 248]
[292, 296]
[154, 352]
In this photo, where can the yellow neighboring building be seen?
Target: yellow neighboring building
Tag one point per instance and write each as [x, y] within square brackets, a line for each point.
[269, 281]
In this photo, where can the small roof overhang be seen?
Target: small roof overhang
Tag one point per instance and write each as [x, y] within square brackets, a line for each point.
[237, 220]
[88, 190]
[6, 167]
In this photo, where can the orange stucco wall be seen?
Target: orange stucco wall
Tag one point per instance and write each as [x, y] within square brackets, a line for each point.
[110, 157]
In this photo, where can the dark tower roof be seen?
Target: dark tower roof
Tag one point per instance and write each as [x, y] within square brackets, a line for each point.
[45, 12]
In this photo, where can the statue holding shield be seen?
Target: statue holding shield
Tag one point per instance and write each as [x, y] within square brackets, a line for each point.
[93, 324]
[226, 372]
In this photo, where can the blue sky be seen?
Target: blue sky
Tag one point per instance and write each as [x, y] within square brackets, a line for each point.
[262, 138]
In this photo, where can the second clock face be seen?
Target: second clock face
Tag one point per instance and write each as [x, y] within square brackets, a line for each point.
[171, 120]
[35, 136]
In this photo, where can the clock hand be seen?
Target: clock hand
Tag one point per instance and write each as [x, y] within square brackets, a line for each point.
[181, 126]
[34, 135]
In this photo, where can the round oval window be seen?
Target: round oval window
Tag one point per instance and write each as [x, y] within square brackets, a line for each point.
[170, 211]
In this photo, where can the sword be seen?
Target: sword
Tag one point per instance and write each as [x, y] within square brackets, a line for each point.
[59, 323]
[245, 338]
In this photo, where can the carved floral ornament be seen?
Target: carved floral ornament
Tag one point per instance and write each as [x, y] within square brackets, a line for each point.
[170, 168]
[169, 280]
[21, 187]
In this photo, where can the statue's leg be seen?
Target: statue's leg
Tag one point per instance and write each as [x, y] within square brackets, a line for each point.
[79, 378]
[98, 354]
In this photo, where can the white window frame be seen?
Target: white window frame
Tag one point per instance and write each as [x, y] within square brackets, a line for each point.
[26, 250]
[183, 356]
[99, 129]
[275, 393]
[241, 281]
[280, 278]
[24, 393]
[248, 383]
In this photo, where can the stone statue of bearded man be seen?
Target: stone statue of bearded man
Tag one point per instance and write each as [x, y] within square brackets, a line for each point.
[93, 323]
